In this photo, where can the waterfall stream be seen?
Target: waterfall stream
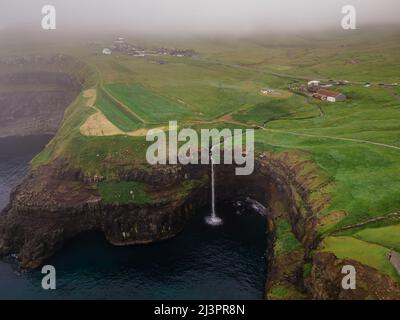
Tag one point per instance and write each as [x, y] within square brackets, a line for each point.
[213, 220]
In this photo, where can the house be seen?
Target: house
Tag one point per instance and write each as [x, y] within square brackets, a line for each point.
[106, 51]
[313, 85]
[330, 96]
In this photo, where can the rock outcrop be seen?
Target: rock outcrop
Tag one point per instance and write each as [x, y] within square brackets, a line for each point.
[47, 210]
[326, 278]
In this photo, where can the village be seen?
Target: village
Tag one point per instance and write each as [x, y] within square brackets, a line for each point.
[120, 45]
[321, 91]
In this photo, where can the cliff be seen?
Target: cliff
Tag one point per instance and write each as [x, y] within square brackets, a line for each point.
[53, 205]
[49, 208]
[35, 91]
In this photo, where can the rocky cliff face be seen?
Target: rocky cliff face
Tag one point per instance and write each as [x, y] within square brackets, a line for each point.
[294, 189]
[48, 209]
[53, 206]
[33, 102]
[326, 277]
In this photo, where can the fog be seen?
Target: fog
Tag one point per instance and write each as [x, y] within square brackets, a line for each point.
[188, 17]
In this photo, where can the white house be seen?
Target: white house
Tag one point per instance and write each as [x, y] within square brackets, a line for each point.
[106, 51]
[331, 99]
[314, 83]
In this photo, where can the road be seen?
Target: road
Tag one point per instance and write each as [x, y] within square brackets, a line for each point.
[330, 137]
[394, 258]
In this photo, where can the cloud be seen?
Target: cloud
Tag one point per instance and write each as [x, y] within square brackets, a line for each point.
[196, 16]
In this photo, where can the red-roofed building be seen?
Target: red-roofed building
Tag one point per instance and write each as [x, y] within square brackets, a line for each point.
[330, 96]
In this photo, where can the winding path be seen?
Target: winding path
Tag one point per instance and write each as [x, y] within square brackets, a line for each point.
[394, 259]
[331, 137]
[390, 216]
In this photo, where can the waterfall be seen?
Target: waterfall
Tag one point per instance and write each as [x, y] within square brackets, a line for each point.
[213, 214]
[213, 220]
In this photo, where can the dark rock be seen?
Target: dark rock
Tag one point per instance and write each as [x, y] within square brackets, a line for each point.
[326, 278]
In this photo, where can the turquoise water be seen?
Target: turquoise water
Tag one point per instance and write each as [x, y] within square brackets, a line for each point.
[202, 262]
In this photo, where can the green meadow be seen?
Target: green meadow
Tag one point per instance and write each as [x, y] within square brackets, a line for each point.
[370, 254]
[150, 106]
[120, 117]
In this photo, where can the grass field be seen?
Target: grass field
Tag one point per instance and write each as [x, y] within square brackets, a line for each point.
[367, 253]
[186, 88]
[385, 236]
[149, 105]
[116, 113]
[123, 192]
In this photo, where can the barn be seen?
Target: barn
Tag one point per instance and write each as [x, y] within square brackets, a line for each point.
[330, 96]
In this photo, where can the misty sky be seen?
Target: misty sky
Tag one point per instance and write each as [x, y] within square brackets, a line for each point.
[195, 16]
